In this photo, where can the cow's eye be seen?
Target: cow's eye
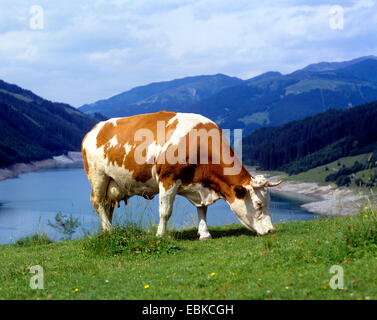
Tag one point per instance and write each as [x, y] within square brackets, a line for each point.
[259, 204]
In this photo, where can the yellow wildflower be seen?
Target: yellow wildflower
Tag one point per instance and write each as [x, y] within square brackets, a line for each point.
[212, 274]
[146, 286]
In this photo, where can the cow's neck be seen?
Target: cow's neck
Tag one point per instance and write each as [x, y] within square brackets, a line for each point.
[225, 184]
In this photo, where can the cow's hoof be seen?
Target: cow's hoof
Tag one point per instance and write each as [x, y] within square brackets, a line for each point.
[206, 237]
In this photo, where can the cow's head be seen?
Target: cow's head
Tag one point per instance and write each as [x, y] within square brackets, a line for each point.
[251, 205]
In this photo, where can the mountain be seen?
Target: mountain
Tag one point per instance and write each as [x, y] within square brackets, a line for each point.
[269, 99]
[278, 99]
[305, 144]
[263, 76]
[172, 95]
[32, 128]
[326, 66]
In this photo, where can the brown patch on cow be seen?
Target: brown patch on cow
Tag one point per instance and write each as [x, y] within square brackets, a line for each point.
[107, 131]
[114, 154]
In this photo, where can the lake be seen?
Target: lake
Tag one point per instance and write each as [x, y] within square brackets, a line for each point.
[28, 202]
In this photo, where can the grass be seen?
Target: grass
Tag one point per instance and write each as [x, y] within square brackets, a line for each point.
[320, 173]
[128, 239]
[261, 118]
[364, 174]
[293, 263]
[33, 240]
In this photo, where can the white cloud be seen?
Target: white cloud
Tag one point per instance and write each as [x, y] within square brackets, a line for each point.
[90, 50]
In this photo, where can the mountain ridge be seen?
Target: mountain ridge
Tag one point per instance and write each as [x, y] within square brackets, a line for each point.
[268, 99]
[156, 95]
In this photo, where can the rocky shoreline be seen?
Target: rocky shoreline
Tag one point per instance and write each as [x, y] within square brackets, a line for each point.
[73, 159]
[327, 200]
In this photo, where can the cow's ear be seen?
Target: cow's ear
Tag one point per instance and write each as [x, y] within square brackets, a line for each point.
[240, 191]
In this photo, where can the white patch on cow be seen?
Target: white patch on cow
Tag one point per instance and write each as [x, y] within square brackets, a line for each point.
[153, 151]
[113, 141]
[198, 195]
[186, 122]
[94, 156]
[114, 121]
[202, 224]
[91, 139]
[127, 147]
[165, 209]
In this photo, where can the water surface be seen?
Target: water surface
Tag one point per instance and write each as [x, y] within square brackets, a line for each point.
[27, 204]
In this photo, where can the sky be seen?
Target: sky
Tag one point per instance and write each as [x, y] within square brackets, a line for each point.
[80, 51]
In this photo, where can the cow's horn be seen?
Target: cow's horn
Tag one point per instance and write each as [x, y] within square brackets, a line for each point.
[258, 186]
[274, 184]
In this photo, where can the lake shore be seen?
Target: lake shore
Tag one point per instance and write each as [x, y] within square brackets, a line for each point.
[329, 200]
[72, 159]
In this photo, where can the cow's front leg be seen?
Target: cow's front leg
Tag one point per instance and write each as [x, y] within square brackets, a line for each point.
[203, 231]
[165, 206]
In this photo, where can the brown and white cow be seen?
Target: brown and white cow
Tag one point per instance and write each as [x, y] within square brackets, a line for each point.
[164, 153]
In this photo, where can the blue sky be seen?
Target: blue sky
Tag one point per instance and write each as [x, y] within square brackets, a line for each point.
[92, 49]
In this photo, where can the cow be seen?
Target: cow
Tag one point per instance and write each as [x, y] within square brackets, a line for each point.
[165, 153]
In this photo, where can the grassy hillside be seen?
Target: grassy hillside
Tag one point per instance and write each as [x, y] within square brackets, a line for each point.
[32, 128]
[293, 263]
[320, 173]
[301, 145]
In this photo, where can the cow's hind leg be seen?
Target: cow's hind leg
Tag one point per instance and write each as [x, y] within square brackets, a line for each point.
[203, 231]
[165, 206]
[103, 207]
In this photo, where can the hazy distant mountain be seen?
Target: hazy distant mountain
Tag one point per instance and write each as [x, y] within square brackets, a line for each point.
[266, 100]
[264, 76]
[32, 128]
[172, 95]
[325, 66]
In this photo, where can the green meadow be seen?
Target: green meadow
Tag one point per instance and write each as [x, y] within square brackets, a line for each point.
[129, 263]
